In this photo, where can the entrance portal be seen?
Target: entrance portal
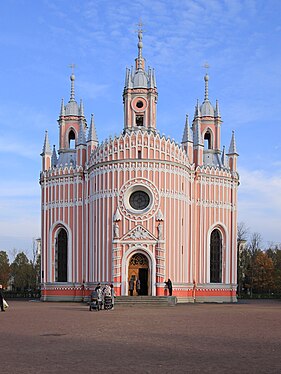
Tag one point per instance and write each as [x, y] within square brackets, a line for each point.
[138, 269]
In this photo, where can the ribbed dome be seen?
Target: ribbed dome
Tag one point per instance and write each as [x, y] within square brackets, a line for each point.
[140, 79]
[72, 108]
[207, 109]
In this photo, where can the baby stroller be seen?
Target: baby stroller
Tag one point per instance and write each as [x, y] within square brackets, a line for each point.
[95, 301]
[107, 298]
[107, 302]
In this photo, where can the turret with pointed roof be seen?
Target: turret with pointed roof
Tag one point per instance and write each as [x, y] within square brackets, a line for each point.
[140, 94]
[232, 153]
[46, 153]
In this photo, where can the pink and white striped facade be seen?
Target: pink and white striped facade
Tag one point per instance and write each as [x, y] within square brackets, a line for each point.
[139, 193]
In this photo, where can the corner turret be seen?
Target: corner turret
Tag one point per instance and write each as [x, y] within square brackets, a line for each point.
[46, 153]
[232, 153]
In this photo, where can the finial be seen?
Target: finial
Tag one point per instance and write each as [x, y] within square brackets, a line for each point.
[62, 109]
[223, 156]
[217, 111]
[46, 146]
[72, 78]
[232, 148]
[92, 135]
[81, 108]
[206, 78]
[197, 110]
[54, 159]
[186, 133]
[140, 45]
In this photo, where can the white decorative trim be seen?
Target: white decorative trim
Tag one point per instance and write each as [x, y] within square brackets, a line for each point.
[51, 251]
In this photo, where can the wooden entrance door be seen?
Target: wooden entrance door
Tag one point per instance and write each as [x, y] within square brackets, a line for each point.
[138, 269]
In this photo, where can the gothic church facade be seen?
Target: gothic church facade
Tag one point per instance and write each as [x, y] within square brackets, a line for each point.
[139, 205]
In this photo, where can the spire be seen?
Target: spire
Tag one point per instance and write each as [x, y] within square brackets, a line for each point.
[46, 147]
[92, 136]
[232, 148]
[54, 161]
[206, 78]
[81, 135]
[217, 110]
[187, 137]
[140, 60]
[223, 156]
[197, 110]
[154, 78]
[72, 91]
[81, 109]
[62, 108]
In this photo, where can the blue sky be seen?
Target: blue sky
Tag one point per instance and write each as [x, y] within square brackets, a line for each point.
[39, 39]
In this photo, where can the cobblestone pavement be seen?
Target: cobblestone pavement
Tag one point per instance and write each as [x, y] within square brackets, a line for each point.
[41, 337]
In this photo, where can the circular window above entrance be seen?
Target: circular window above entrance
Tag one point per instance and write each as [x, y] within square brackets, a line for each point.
[138, 199]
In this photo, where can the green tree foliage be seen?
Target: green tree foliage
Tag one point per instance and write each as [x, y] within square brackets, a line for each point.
[4, 269]
[23, 273]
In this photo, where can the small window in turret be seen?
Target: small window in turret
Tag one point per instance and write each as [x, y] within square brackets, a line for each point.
[207, 140]
[139, 120]
[71, 140]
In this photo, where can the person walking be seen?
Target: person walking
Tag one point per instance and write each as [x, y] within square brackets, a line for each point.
[131, 286]
[138, 286]
[1, 299]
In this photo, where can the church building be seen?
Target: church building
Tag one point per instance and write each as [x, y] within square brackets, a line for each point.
[139, 205]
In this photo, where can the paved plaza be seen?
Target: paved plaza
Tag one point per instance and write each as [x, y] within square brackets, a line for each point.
[41, 337]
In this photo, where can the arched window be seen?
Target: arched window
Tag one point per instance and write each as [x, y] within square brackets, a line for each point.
[61, 256]
[71, 139]
[215, 257]
[207, 140]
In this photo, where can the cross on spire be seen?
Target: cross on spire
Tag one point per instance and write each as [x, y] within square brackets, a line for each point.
[206, 66]
[72, 67]
[206, 78]
[140, 45]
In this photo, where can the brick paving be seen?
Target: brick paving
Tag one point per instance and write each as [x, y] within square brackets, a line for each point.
[192, 338]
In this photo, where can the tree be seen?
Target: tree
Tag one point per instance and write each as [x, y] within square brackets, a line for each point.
[23, 273]
[242, 255]
[263, 273]
[275, 254]
[4, 269]
[252, 250]
[242, 231]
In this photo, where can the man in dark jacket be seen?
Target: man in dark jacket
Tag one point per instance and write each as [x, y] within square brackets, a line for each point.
[169, 286]
[1, 298]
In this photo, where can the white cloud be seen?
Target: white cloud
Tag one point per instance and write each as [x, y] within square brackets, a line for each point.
[260, 203]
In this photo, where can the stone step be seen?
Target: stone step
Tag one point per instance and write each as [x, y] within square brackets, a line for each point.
[146, 300]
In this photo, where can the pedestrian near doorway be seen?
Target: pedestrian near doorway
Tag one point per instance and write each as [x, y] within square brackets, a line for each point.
[138, 286]
[131, 286]
[170, 286]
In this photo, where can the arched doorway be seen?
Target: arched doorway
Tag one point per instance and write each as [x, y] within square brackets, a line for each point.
[138, 268]
[61, 256]
[216, 257]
